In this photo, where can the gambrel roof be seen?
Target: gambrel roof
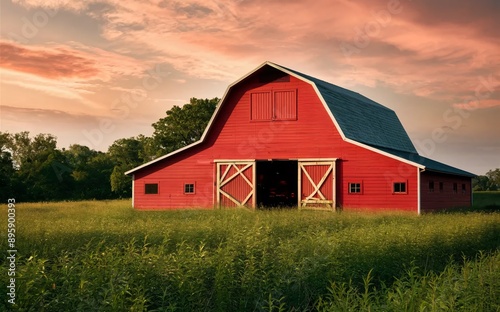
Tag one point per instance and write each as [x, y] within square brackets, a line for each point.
[362, 119]
[366, 121]
[358, 119]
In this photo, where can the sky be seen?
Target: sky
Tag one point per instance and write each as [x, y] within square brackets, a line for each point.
[91, 72]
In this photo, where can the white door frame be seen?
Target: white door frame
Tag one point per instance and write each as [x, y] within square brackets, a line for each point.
[223, 179]
[310, 199]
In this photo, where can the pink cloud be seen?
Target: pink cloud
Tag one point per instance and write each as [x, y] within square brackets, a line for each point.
[73, 60]
[411, 47]
[477, 104]
[48, 63]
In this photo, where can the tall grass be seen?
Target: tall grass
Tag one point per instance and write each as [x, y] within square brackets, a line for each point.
[471, 285]
[105, 256]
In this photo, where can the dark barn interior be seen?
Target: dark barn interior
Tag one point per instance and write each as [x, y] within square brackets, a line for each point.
[277, 183]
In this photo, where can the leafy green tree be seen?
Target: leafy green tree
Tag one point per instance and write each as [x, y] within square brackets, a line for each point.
[100, 167]
[90, 171]
[149, 150]
[38, 163]
[494, 177]
[480, 183]
[125, 154]
[7, 171]
[19, 144]
[488, 182]
[183, 125]
[33, 169]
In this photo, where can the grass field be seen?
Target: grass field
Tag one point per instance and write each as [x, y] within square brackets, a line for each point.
[487, 200]
[104, 256]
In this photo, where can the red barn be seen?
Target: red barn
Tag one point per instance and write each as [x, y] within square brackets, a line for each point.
[282, 138]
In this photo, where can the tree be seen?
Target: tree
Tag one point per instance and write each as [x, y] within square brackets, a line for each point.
[100, 167]
[38, 166]
[183, 125]
[488, 182]
[125, 154]
[480, 183]
[90, 171]
[494, 177]
[7, 171]
[19, 144]
[149, 150]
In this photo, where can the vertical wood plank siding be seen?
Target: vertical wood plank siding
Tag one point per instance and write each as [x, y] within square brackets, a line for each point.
[285, 106]
[261, 108]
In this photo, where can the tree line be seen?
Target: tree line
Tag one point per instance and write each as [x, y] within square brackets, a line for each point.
[488, 182]
[32, 168]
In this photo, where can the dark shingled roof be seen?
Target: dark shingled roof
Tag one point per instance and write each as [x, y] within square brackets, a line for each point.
[361, 119]
[428, 163]
[366, 121]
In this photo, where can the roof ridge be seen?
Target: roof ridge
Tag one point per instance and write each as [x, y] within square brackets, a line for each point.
[353, 94]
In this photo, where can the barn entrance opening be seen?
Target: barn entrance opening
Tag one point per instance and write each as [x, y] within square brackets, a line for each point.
[277, 183]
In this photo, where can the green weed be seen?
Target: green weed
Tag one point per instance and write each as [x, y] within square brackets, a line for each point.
[105, 256]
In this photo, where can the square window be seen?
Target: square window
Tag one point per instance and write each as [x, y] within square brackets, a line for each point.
[431, 186]
[399, 187]
[151, 188]
[189, 188]
[354, 188]
[441, 186]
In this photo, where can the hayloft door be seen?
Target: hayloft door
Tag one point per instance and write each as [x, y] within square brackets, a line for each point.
[316, 181]
[235, 183]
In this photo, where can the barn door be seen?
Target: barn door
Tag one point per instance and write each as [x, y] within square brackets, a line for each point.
[316, 184]
[236, 183]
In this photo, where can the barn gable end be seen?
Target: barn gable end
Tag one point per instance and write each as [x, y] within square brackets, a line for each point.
[343, 150]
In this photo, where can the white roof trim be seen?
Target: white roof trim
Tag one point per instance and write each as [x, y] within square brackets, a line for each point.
[214, 115]
[373, 149]
[336, 123]
[419, 190]
[218, 108]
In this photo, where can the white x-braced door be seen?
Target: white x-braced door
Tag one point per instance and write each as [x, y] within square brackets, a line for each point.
[316, 184]
[235, 183]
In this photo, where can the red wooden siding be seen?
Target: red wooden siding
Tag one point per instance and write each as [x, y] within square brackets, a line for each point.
[312, 135]
[377, 174]
[439, 199]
